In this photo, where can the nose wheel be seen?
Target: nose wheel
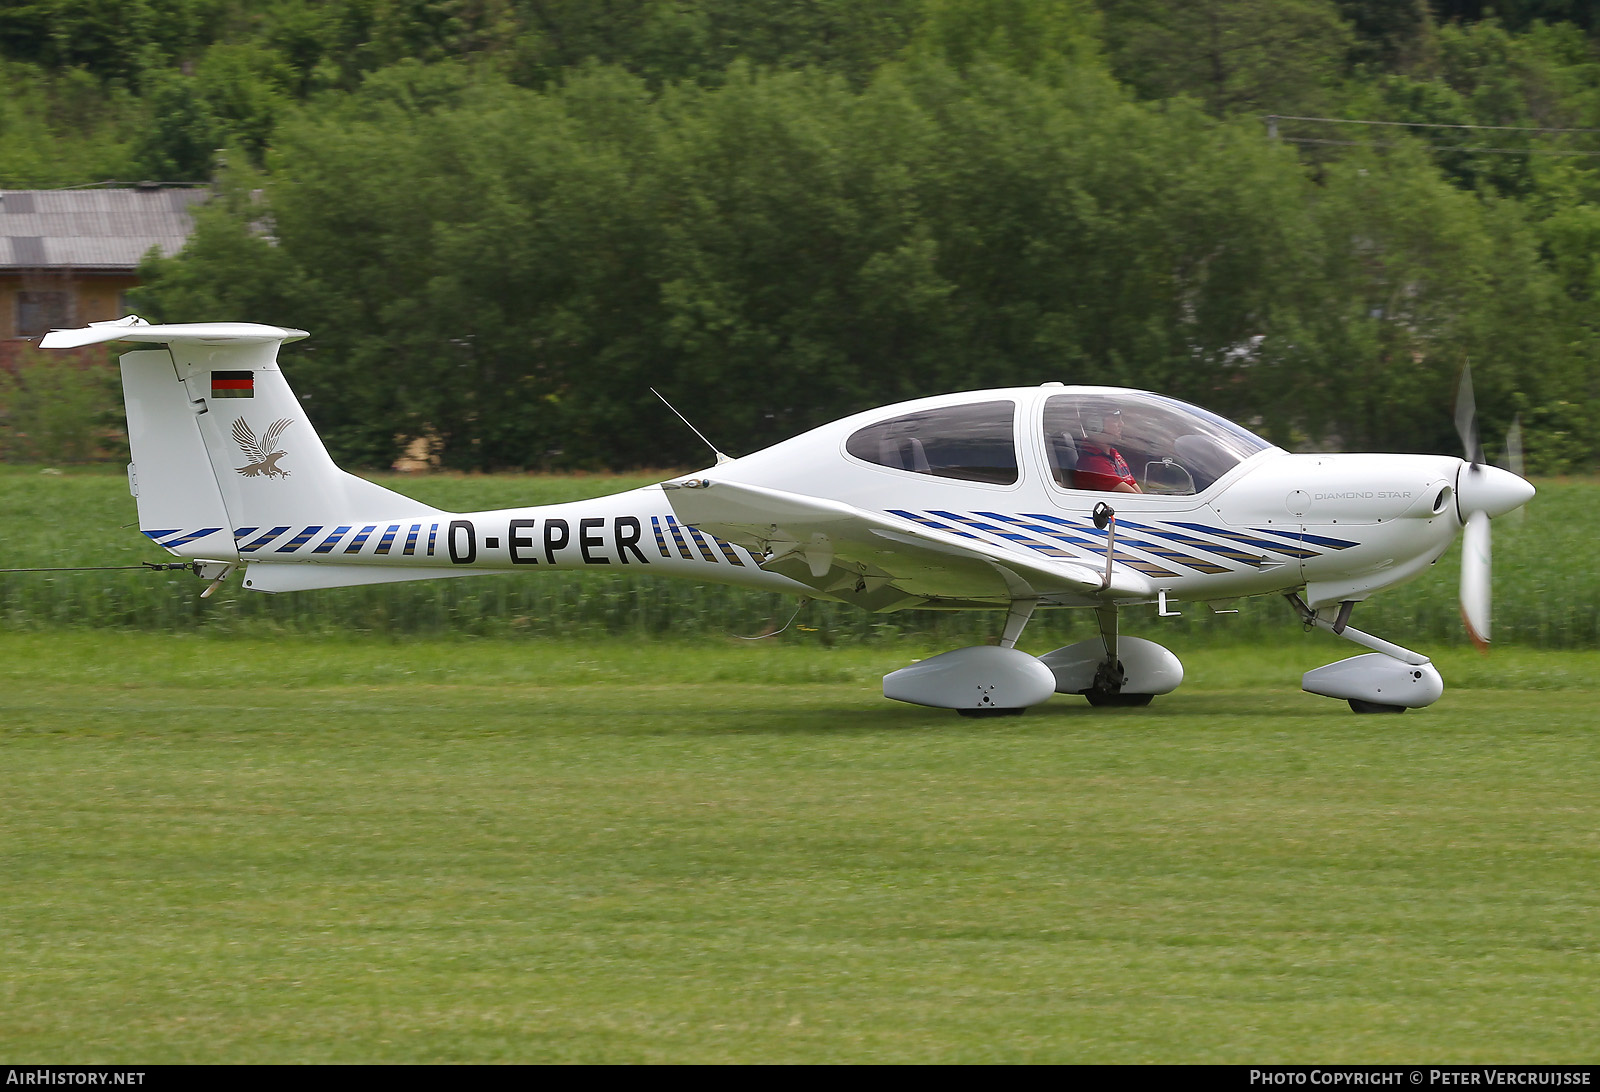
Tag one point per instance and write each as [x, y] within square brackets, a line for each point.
[1390, 679]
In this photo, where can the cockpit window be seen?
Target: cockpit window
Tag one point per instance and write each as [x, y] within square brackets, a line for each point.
[971, 443]
[1095, 439]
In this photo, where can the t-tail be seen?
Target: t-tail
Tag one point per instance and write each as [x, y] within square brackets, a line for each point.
[228, 471]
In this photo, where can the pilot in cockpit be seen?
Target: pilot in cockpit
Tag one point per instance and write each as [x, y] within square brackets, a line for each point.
[1100, 465]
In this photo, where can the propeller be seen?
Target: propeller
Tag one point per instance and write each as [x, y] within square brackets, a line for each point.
[1467, 417]
[1482, 492]
[1514, 461]
[1475, 551]
[1514, 447]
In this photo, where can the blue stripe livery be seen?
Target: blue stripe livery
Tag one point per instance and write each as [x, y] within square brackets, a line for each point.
[1248, 540]
[1150, 539]
[361, 539]
[299, 540]
[705, 551]
[677, 534]
[160, 538]
[326, 545]
[260, 542]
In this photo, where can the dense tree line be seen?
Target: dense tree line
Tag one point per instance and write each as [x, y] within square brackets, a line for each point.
[505, 220]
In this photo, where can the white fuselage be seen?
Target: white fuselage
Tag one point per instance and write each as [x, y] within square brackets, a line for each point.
[1340, 525]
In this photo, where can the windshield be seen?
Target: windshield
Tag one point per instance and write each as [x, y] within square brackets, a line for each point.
[1108, 440]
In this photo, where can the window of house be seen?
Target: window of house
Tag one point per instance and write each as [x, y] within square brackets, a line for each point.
[41, 312]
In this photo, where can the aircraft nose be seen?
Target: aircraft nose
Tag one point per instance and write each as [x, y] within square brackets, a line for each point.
[1490, 490]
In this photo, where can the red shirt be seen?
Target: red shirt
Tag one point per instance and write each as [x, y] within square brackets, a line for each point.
[1101, 468]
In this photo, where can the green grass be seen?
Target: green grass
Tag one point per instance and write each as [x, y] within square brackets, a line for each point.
[332, 849]
[1547, 590]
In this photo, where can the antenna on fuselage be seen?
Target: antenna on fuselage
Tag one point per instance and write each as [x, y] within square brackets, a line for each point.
[721, 458]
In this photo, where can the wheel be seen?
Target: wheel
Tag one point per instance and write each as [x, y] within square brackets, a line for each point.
[1360, 706]
[1105, 699]
[990, 712]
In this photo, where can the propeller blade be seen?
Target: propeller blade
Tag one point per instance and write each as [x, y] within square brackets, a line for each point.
[1475, 579]
[1514, 447]
[1467, 417]
[1514, 461]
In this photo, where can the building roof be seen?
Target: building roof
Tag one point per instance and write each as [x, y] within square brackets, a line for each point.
[98, 230]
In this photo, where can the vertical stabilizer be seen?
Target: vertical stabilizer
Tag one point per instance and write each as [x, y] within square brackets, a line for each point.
[222, 450]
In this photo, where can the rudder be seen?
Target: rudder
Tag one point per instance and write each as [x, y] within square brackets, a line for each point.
[171, 478]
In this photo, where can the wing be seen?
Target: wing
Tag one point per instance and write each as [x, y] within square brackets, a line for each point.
[269, 438]
[246, 439]
[881, 562]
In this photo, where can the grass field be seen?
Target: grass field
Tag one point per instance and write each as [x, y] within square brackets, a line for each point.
[569, 819]
[313, 848]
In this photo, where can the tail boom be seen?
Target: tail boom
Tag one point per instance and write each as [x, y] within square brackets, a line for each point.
[634, 531]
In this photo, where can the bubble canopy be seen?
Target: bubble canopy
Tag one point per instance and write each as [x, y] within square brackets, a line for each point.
[1167, 446]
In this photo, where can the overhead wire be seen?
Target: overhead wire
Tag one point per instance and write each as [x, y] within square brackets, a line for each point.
[1273, 119]
[1429, 124]
[149, 566]
[1436, 147]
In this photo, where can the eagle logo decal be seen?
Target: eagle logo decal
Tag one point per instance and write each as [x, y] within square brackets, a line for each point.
[264, 459]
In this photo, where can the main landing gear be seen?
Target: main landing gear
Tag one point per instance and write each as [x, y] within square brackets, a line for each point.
[1114, 672]
[998, 680]
[1390, 679]
[1105, 698]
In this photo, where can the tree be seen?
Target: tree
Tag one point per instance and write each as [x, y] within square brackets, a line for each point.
[1028, 36]
[1268, 56]
[183, 136]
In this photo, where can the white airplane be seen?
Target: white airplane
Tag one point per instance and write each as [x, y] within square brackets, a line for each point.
[1000, 500]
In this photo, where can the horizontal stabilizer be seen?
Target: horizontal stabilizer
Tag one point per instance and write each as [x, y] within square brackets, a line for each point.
[136, 329]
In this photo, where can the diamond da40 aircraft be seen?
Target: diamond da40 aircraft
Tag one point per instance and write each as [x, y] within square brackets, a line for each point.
[1001, 500]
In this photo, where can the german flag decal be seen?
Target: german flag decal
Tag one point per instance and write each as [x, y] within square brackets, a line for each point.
[233, 384]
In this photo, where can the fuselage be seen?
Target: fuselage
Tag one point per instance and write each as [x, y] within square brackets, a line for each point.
[1221, 513]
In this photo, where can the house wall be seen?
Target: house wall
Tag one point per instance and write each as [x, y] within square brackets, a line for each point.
[91, 297]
